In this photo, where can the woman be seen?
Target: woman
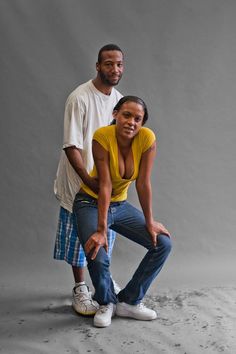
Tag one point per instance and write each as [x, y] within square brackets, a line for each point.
[122, 152]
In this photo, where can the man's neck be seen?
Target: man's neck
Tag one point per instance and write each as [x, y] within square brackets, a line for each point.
[101, 87]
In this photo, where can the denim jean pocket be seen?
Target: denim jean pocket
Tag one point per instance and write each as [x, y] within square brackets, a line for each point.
[83, 200]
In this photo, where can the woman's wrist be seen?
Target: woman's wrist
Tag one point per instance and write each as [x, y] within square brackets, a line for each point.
[102, 229]
[149, 222]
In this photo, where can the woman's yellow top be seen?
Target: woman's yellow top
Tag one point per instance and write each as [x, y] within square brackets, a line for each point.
[106, 137]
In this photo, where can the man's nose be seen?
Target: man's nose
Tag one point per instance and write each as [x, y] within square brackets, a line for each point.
[116, 68]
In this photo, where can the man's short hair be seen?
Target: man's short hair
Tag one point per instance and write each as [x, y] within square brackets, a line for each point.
[106, 48]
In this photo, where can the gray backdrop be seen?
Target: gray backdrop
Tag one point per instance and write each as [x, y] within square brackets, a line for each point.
[180, 58]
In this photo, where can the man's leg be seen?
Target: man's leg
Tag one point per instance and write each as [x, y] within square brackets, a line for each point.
[82, 300]
[78, 274]
[68, 248]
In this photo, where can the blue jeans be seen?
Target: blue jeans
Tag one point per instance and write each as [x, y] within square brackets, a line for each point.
[127, 221]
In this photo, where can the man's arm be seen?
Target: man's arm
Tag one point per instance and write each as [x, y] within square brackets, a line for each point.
[74, 156]
[74, 119]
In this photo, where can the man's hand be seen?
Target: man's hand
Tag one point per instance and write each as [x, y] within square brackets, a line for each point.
[156, 228]
[92, 183]
[74, 156]
[94, 243]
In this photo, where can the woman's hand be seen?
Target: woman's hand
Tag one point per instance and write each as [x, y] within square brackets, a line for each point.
[156, 228]
[94, 243]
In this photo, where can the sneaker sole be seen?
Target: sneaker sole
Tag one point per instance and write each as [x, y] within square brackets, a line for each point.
[101, 325]
[126, 314]
[84, 313]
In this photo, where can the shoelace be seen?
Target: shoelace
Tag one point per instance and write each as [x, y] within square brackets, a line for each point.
[141, 306]
[103, 308]
[82, 297]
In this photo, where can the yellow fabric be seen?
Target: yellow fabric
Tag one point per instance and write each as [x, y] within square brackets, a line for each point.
[106, 137]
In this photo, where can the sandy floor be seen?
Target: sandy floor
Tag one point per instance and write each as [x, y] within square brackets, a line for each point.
[189, 321]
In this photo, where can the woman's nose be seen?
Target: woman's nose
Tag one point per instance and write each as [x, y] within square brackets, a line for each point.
[131, 121]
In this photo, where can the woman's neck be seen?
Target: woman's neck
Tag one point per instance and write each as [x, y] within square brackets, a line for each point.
[123, 143]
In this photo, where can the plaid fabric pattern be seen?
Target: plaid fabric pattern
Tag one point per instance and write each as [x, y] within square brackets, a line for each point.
[67, 244]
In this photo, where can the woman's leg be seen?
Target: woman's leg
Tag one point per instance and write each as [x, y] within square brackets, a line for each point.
[85, 209]
[129, 222]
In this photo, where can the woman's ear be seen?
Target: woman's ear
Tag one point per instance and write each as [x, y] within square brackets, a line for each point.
[114, 113]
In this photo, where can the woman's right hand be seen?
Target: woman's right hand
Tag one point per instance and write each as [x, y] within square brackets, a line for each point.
[93, 244]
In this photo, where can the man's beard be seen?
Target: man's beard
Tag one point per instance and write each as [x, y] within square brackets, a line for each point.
[106, 81]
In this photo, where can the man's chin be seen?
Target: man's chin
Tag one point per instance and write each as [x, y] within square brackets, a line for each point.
[114, 82]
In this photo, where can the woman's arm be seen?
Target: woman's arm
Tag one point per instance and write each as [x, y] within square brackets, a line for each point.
[143, 182]
[99, 238]
[144, 190]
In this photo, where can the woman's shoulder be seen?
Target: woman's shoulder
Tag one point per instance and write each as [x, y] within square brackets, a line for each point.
[146, 138]
[147, 133]
[107, 130]
[105, 136]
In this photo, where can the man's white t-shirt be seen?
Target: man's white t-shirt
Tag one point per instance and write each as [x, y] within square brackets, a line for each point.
[86, 110]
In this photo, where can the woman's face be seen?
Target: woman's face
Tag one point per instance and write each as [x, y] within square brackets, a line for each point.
[129, 119]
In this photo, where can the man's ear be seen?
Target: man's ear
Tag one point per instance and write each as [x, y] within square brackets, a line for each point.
[97, 66]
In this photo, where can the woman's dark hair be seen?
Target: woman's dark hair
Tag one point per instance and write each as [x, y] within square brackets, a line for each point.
[131, 99]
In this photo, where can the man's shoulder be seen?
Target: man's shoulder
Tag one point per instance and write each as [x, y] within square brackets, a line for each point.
[80, 92]
[81, 89]
[117, 93]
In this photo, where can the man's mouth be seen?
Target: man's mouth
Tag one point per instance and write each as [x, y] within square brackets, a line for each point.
[115, 77]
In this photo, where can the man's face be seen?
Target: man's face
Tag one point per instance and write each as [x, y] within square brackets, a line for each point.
[110, 69]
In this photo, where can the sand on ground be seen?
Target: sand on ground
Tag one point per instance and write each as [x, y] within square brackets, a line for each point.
[190, 321]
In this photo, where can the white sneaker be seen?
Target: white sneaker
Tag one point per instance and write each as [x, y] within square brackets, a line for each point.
[104, 315]
[139, 312]
[82, 301]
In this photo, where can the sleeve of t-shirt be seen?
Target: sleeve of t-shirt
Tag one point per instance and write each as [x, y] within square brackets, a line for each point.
[73, 124]
[148, 138]
[101, 137]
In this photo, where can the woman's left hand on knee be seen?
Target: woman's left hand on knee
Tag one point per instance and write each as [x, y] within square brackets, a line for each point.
[156, 228]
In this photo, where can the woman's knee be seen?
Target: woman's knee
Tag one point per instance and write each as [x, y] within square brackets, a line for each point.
[165, 242]
[100, 262]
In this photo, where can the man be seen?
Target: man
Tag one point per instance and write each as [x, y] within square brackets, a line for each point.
[87, 108]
